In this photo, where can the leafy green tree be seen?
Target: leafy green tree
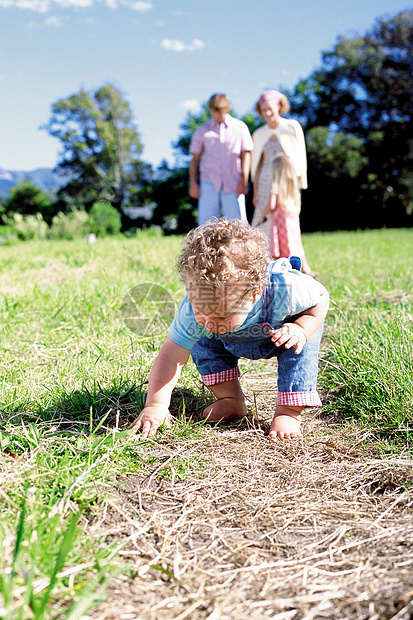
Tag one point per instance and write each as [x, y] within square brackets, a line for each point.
[365, 83]
[337, 155]
[27, 199]
[101, 146]
[336, 167]
[252, 121]
[170, 192]
[365, 89]
[170, 187]
[192, 121]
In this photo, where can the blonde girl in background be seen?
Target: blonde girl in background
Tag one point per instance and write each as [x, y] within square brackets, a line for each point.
[283, 211]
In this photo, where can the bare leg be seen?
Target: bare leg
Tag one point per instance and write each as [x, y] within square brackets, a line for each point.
[230, 402]
[286, 423]
[306, 267]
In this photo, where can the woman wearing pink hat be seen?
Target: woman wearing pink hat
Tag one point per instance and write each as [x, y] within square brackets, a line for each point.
[279, 137]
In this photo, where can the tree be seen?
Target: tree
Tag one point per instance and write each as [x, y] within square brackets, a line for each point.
[365, 89]
[336, 167]
[252, 121]
[191, 122]
[170, 192]
[170, 187]
[100, 146]
[28, 199]
[337, 155]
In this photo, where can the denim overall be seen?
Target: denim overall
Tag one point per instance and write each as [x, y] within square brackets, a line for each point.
[296, 373]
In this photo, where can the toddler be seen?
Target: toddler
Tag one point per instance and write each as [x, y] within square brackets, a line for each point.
[240, 304]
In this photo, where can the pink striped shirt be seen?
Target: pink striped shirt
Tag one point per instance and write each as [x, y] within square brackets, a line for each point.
[220, 146]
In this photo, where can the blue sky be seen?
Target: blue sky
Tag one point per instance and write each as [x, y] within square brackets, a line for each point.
[166, 56]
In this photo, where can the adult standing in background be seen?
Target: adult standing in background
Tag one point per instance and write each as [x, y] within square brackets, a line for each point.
[279, 137]
[221, 153]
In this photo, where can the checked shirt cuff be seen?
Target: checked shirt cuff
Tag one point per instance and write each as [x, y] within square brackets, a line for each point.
[220, 377]
[299, 399]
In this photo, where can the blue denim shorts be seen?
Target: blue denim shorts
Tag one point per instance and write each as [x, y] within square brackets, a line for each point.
[213, 203]
[216, 358]
[217, 361]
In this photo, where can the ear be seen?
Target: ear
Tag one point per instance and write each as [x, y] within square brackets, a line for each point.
[256, 296]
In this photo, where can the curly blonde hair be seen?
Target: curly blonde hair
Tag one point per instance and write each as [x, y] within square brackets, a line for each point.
[226, 255]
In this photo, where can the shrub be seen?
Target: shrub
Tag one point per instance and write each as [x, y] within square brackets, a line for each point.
[70, 226]
[29, 226]
[27, 199]
[104, 219]
[7, 235]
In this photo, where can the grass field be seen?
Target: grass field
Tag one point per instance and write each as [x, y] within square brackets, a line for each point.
[73, 378]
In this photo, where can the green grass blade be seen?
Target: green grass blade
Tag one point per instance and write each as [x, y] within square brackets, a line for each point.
[65, 548]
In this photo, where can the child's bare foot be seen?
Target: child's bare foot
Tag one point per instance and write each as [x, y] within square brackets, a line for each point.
[286, 423]
[225, 409]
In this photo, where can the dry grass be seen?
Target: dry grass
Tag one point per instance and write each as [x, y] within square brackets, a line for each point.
[316, 528]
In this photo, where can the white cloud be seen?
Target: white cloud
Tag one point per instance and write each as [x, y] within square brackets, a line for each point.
[191, 105]
[49, 22]
[76, 3]
[141, 6]
[54, 22]
[197, 44]
[175, 45]
[41, 6]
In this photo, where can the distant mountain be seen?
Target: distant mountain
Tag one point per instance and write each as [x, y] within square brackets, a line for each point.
[45, 178]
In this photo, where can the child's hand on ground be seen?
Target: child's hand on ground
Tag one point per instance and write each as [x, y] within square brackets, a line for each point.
[150, 419]
[290, 335]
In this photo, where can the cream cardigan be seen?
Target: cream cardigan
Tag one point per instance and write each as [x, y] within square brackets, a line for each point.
[291, 137]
